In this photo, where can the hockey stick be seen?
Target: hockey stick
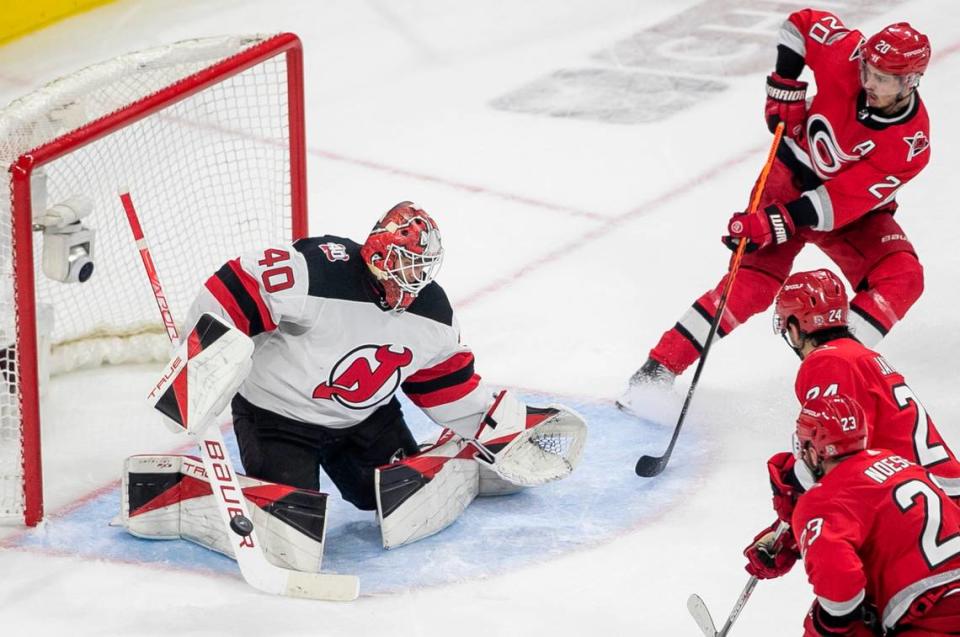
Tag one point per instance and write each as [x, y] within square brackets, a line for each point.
[698, 609]
[649, 466]
[254, 566]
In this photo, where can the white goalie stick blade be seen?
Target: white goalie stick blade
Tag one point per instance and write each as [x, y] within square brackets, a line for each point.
[698, 610]
[253, 563]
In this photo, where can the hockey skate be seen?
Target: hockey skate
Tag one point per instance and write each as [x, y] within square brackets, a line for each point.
[652, 375]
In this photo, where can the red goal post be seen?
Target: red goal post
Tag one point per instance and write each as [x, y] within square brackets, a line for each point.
[208, 135]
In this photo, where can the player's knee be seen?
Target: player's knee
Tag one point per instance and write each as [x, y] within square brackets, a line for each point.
[755, 292]
[899, 279]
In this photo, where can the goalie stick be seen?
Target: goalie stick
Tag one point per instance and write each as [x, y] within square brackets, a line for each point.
[649, 466]
[251, 559]
[698, 609]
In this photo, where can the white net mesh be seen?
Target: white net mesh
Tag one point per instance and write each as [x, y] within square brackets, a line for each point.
[210, 176]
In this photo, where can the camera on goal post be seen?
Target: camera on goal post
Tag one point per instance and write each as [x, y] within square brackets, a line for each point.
[67, 242]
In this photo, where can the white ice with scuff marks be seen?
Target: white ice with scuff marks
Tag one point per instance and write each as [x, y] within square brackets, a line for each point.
[571, 245]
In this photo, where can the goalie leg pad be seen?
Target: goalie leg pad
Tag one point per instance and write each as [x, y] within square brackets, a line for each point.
[423, 494]
[528, 446]
[168, 497]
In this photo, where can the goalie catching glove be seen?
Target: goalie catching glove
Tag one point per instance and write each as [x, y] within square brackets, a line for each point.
[528, 446]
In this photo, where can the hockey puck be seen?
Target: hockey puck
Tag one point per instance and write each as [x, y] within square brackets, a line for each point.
[241, 525]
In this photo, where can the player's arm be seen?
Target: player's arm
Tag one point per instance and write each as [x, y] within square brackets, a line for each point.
[802, 36]
[256, 291]
[448, 389]
[828, 535]
[865, 186]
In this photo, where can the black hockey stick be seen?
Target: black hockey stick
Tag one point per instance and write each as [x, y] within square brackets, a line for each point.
[649, 466]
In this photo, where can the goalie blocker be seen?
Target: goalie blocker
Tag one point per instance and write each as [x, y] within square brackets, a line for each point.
[515, 446]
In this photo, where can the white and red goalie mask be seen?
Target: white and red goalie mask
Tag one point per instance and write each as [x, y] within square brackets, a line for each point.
[404, 253]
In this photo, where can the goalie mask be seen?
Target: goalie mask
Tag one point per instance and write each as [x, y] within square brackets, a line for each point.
[404, 253]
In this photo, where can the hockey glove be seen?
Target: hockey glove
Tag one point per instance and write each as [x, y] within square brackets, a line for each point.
[770, 226]
[820, 623]
[767, 559]
[786, 488]
[786, 102]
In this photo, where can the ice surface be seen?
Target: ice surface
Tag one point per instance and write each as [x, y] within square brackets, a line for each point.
[572, 244]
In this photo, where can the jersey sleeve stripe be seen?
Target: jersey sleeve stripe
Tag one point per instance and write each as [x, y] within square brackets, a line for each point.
[443, 395]
[838, 609]
[253, 289]
[791, 38]
[246, 295]
[820, 198]
[456, 363]
[443, 382]
[228, 303]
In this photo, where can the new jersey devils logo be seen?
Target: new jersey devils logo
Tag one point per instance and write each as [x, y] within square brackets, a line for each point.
[365, 376]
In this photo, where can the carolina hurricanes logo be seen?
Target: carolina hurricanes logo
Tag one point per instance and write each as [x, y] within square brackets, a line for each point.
[825, 151]
[365, 376]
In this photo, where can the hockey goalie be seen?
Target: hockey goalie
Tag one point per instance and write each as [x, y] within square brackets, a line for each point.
[332, 329]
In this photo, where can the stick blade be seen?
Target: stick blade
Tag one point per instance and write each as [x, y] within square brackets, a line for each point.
[330, 587]
[650, 466]
[698, 610]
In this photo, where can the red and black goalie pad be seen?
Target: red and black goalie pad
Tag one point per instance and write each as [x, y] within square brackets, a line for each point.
[400, 480]
[443, 383]
[302, 509]
[173, 401]
[239, 294]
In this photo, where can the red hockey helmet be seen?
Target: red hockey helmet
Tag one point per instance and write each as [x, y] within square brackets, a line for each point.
[817, 300]
[834, 426]
[899, 49]
[404, 253]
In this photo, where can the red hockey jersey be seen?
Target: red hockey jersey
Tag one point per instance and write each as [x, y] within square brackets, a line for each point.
[860, 156]
[896, 419]
[876, 526]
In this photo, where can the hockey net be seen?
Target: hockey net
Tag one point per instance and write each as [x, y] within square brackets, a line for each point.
[208, 136]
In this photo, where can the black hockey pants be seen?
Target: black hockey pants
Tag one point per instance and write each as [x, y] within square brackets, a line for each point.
[280, 449]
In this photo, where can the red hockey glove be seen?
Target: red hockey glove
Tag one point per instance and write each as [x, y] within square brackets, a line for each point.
[819, 623]
[770, 226]
[786, 488]
[786, 102]
[767, 559]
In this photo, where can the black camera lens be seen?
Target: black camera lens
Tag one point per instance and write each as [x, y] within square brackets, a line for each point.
[86, 271]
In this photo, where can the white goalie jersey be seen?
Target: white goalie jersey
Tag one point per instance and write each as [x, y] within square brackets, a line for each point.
[327, 353]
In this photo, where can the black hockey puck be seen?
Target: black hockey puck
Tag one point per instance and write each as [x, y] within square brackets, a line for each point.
[241, 525]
